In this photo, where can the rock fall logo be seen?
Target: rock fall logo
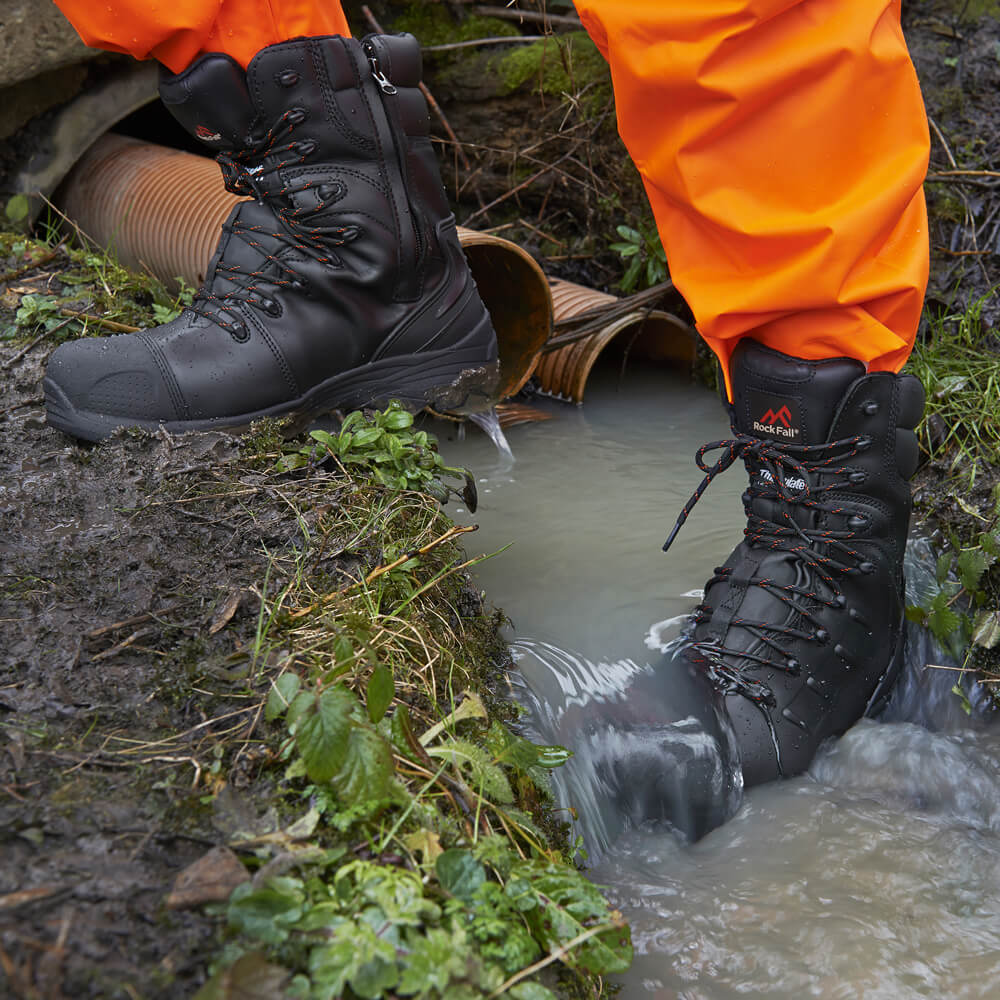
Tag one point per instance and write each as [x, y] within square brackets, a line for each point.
[775, 417]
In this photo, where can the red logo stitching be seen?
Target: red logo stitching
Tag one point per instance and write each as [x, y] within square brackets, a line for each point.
[771, 418]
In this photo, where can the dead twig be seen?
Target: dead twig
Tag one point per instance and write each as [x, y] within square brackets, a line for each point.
[507, 14]
[520, 187]
[109, 324]
[35, 264]
[129, 622]
[480, 42]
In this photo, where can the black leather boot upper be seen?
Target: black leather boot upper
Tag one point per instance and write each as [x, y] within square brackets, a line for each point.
[802, 627]
[341, 284]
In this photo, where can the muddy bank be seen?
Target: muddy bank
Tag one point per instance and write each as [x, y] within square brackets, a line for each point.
[153, 591]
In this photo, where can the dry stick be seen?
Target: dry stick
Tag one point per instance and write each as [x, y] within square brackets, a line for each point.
[100, 321]
[10, 362]
[35, 264]
[33, 401]
[451, 533]
[127, 622]
[507, 14]
[937, 175]
[538, 232]
[558, 954]
[479, 42]
[586, 323]
[520, 187]
[429, 97]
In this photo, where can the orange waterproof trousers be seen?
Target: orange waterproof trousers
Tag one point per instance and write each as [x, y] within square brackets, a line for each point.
[783, 145]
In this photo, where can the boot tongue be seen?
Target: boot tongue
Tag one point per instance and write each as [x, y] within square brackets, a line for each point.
[785, 399]
[210, 99]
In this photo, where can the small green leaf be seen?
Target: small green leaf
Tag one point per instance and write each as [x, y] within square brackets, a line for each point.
[397, 419]
[367, 436]
[531, 991]
[989, 544]
[459, 873]
[381, 691]
[963, 698]
[942, 621]
[943, 567]
[968, 508]
[986, 629]
[322, 735]
[18, 208]
[971, 565]
[283, 692]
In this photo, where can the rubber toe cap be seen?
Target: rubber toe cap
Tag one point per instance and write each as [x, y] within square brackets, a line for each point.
[100, 383]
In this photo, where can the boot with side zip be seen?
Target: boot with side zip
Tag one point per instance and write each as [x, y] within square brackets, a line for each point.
[802, 629]
[341, 284]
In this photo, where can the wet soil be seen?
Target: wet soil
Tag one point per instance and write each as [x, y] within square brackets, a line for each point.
[127, 623]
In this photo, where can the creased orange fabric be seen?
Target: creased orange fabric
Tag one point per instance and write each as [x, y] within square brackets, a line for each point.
[783, 144]
[176, 32]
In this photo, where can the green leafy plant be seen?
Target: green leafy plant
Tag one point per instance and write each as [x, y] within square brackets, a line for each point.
[647, 260]
[962, 614]
[476, 916]
[164, 313]
[385, 445]
[959, 367]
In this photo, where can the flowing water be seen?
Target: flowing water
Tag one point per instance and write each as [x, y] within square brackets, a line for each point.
[875, 875]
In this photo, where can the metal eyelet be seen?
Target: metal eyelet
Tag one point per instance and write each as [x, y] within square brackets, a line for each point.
[864, 444]
[305, 147]
[840, 601]
[821, 636]
[793, 665]
[870, 408]
[858, 476]
[297, 116]
[287, 78]
[239, 332]
[857, 521]
[867, 567]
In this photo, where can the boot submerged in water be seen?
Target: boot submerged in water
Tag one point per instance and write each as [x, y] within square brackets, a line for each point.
[802, 629]
[341, 285]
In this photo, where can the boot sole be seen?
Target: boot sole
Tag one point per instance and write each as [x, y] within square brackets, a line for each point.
[457, 380]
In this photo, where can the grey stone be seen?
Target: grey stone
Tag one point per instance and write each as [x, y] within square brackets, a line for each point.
[36, 37]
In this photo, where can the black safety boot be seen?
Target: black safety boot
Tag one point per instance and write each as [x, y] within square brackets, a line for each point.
[802, 628]
[341, 285]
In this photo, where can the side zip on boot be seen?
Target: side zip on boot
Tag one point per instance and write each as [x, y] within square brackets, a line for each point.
[340, 283]
[802, 628]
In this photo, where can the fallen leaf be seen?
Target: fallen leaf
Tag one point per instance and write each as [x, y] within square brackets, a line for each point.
[210, 879]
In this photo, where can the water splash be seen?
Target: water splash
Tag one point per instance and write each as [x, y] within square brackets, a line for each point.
[489, 422]
[652, 745]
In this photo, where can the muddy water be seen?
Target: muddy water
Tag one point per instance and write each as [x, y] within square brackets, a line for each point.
[875, 875]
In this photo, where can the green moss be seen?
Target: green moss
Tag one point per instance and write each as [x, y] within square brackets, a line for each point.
[562, 64]
[433, 25]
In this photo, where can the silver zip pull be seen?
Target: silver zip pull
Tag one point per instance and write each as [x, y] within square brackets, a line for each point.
[380, 78]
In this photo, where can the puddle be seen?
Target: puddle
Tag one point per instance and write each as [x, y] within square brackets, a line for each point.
[874, 875]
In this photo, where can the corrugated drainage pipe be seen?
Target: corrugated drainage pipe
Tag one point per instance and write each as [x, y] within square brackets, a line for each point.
[162, 209]
[648, 334]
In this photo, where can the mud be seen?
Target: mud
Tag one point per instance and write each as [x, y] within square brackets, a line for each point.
[127, 628]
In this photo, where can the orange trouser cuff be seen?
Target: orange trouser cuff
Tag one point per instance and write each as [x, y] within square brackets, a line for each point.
[176, 32]
[783, 145]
